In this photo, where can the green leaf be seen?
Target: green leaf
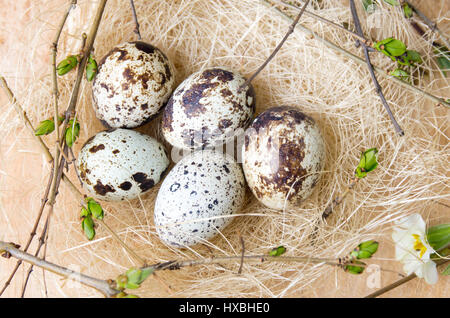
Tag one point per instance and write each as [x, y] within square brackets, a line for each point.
[407, 11]
[66, 65]
[88, 227]
[369, 6]
[95, 208]
[439, 236]
[130, 296]
[392, 2]
[390, 47]
[45, 127]
[395, 47]
[135, 277]
[84, 212]
[130, 285]
[414, 56]
[443, 59]
[401, 74]
[72, 132]
[367, 163]
[353, 269]
[91, 68]
[446, 271]
[277, 251]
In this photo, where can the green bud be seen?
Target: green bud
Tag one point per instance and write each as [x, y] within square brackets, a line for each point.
[439, 236]
[95, 208]
[72, 132]
[277, 251]
[365, 250]
[84, 212]
[401, 74]
[414, 56]
[45, 127]
[130, 296]
[67, 65]
[407, 11]
[135, 277]
[91, 68]
[367, 163]
[369, 6]
[391, 47]
[354, 269]
[121, 282]
[443, 59]
[88, 227]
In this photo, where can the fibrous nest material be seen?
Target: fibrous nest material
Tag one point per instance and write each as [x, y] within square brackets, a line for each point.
[412, 176]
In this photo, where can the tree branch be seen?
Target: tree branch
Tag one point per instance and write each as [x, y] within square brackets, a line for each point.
[136, 23]
[105, 287]
[371, 70]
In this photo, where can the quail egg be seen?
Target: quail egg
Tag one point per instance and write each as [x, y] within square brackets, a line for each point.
[120, 164]
[197, 197]
[207, 108]
[134, 81]
[283, 154]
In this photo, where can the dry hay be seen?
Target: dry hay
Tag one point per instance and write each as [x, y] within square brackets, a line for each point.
[334, 90]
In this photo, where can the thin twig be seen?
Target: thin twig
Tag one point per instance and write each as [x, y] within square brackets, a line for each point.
[371, 70]
[136, 28]
[338, 200]
[357, 59]
[242, 255]
[289, 32]
[105, 287]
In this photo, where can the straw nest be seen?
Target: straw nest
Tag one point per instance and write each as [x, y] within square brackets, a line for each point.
[334, 90]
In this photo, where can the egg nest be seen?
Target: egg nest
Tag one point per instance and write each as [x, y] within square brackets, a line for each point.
[323, 83]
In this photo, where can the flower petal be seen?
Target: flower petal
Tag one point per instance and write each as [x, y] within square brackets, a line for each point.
[430, 272]
[413, 221]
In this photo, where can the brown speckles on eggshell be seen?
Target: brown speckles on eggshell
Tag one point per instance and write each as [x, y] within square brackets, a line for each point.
[192, 203]
[121, 164]
[207, 101]
[283, 155]
[132, 75]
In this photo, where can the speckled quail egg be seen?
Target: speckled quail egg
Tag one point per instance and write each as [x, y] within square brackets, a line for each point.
[207, 108]
[197, 197]
[283, 154]
[134, 81]
[120, 164]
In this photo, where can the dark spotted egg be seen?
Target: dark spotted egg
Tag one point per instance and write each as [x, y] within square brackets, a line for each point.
[134, 81]
[283, 155]
[207, 108]
[121, 164]
[198, 197]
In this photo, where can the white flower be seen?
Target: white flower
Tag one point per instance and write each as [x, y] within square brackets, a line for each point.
[412, 248]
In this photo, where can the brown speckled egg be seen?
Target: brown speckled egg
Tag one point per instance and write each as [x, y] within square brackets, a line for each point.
[206, 109]
[134, 81]
[283, 155]
[198, 197]
[121, 164]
